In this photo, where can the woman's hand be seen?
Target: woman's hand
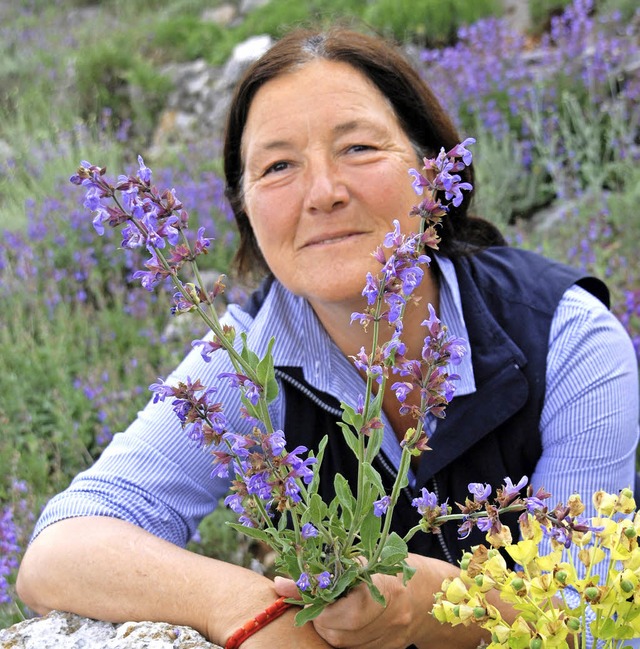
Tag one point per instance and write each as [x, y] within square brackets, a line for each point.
[357, 621]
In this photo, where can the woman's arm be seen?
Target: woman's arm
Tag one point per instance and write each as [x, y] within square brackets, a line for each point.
[109, 569]
[590, 417]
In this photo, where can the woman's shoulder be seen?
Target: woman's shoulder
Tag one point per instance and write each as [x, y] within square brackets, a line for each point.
[519, 275]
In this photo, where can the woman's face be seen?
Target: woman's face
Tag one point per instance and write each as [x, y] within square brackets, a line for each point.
[325, 173]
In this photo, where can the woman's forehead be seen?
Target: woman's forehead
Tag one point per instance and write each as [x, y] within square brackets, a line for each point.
[335, 92]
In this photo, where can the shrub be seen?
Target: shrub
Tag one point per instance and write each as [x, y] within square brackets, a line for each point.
[430, 22]
[110, 77]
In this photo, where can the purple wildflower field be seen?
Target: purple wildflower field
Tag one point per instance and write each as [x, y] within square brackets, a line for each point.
[82, 341]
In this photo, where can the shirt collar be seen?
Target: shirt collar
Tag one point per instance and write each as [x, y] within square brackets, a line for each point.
[301, 340]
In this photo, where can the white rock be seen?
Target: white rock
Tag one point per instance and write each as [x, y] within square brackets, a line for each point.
[59, 630]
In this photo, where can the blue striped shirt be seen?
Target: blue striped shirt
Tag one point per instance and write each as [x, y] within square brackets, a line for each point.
[152, 476]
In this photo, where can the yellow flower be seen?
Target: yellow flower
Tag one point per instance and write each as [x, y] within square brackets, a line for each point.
[626, 502]
[523, 552]
[484, 583]
[544, 586]
[455, 590]
[564, 573]
[500, 538]
[553, 632]
[575, 504]
[500, 633]
[605, 503]
[550, 561]
[496, 566]
[530, 528]
[591, 556]
[443, 612]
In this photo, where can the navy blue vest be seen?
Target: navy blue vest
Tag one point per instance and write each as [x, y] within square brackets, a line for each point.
[509, 297]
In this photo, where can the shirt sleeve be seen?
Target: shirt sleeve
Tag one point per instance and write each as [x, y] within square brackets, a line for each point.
[589, 422]
[152, 475]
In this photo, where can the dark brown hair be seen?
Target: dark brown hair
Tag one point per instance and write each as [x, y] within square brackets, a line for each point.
[420, 114]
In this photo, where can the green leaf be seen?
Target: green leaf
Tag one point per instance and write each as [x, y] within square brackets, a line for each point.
[375, 592]
[348, 579]
[247, 355]
[370, 532]
[351, 416]
[317, 510]
[315, 482]
[407, 572]
[394, 551]
[374, 444]
[266, 374]
[349, 437]
[253, 533]
[373, 477]
[343, 493]
[604, 631]
[310, 612]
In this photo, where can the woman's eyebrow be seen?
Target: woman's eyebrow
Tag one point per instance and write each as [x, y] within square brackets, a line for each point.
[345, 128]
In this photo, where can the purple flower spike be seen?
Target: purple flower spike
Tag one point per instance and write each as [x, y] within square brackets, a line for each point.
[308, 531]
[381, 506]
[161, 391]
[418, 182]
[460, 151]
[304, 583]
[479, 491]
[144, 173]
[428, 500]
[510, 490]
[324, 579]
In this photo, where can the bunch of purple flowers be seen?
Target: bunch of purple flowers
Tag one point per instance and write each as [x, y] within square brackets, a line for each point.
[325, 547]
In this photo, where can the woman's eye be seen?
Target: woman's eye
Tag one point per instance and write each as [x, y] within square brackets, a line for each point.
[357, 148]
[276, 166]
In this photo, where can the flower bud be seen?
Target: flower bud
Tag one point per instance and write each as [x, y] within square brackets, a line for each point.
[466, 560]
[573, 624]
[192, 292]
[627, 586]
[517, 584]
[592, 594]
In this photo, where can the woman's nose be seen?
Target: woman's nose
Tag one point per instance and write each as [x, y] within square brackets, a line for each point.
[326, 189]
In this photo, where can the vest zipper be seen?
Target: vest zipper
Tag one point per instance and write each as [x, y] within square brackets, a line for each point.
[308, 393]
[443, 544]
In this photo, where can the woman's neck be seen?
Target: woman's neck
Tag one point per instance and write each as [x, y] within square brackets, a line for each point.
[351, 337]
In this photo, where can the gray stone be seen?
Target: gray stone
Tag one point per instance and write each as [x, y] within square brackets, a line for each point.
[247, 6]
[517, 16]
[223, 15]
[59, 630]
[6, 152]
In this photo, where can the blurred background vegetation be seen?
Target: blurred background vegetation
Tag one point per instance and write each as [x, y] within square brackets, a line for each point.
[554, 111]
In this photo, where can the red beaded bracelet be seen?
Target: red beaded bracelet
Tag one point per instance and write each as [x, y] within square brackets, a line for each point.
[261, 620]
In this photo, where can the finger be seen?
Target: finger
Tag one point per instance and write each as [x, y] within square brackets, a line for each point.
[286, 587]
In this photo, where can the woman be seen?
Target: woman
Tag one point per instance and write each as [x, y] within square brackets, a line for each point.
[321, 133]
